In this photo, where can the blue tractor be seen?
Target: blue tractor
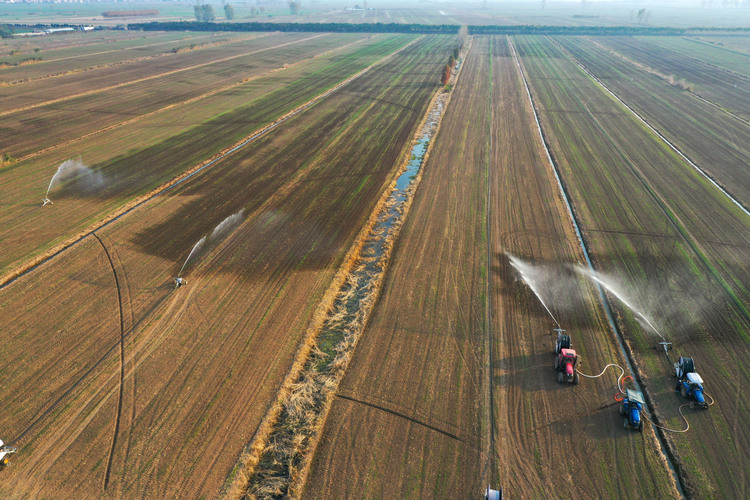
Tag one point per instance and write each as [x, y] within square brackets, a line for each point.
[630, 409]
[689, 383]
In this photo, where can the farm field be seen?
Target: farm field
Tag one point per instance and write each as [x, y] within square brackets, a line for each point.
[155, 391]
[726, 88]
[37, 93]
[715, 140]
[178, 136]
[51, 61]
[487, 177]
[74, 41]
[737, 43]
[724, 56]
[674, 242]
[251, 164]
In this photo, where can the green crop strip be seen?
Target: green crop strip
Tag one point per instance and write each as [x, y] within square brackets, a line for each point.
[684, 233]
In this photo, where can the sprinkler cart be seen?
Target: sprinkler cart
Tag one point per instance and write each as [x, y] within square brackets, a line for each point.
[689, 383]
[565, 359]
[562, 342]
[5, 452]
[630, 409]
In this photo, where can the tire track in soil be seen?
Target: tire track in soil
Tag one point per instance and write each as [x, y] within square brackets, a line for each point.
[488, 295]
[401, 415]
[147, 78]
[24, 269]
[122, 366]
[89, 371]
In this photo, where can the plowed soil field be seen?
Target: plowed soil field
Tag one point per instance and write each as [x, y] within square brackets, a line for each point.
[133, 154]
[411, 419]
[114, 383]
[675, 244]
[142, 389]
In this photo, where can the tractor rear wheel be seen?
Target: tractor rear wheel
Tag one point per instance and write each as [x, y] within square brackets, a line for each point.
[575, 378]
[625, 423]
[683, 391]
[560, 377]
[557, 363]
[622, 409]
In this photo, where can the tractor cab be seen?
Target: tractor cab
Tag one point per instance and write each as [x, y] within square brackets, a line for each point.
[691, 387]
[565, 364]
[630, 409]
[694, 380]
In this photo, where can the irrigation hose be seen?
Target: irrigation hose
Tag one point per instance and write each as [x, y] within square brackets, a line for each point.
[619, 379]
[681, 414]
[643, 414]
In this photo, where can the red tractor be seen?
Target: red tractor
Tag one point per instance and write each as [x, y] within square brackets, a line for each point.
[565, 364]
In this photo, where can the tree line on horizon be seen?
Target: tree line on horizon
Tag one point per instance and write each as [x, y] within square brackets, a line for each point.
[445, 29]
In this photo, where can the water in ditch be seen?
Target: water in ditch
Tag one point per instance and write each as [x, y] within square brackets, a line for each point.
[359, 287]
[334, 345]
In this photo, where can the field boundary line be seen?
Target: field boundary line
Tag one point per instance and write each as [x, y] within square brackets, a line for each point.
[152, 77]
[655, 131]
[29, 266]
[181, 103]
[668, 454]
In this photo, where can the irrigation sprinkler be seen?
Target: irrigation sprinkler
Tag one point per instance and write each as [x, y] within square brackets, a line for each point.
[5, 452]
[47, 201]
[667, 346]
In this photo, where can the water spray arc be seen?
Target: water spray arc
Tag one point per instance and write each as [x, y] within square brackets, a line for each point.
[614, 290]
[523, 270]
[87, 178]
[219, 232]
[196, 247]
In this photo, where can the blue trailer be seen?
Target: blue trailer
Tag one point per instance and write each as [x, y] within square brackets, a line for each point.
[630, 410]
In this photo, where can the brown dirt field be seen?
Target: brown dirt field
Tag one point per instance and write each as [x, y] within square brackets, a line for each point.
[176, 139]
[55, 62]
[411, 416]
[201, 364]
[37, 93]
